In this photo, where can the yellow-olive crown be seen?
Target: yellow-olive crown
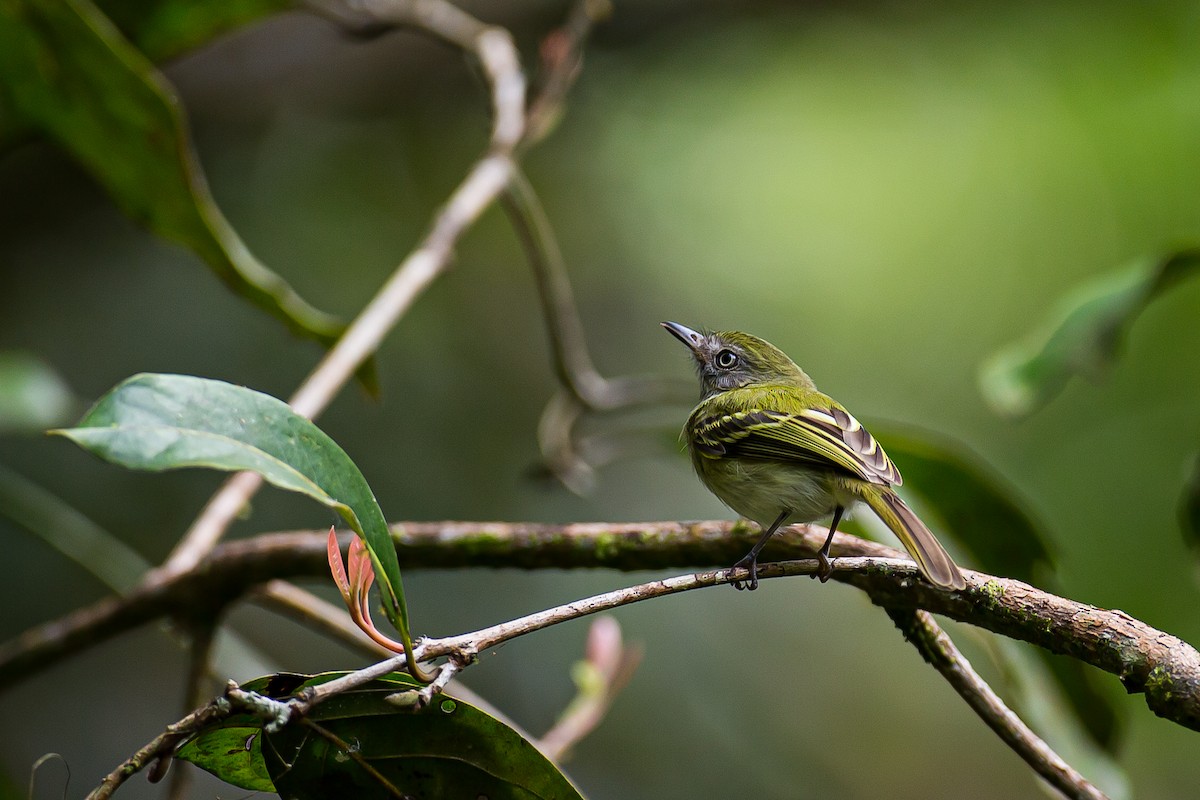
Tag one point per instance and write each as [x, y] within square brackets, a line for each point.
[731, 359]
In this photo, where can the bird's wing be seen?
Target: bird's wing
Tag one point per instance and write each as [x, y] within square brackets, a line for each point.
[820, 437]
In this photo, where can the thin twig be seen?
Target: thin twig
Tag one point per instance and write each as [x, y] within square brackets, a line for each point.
[451, 668]
[584, 388]
[332, 620]
[942, 654]
[493, 47]
[561, 60]
[572, 362]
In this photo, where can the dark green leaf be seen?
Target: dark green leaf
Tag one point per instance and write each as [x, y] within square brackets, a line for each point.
[362, 744]
[1084, 336]
[977, 506]
[161, 422]
[67, 71]
[32, 395]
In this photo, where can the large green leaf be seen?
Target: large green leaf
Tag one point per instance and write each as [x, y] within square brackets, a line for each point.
[1084, 336]
[979, 508]
[371, 747]
[162, 422]
[66, 70]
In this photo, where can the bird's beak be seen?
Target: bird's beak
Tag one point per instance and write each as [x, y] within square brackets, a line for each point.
[685, 334]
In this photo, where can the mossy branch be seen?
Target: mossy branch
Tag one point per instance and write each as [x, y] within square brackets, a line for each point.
[1146, 660]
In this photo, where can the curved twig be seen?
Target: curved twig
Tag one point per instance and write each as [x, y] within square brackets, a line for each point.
[572, 361]
[584, 389]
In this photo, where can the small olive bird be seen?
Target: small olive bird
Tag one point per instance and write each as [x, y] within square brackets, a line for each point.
[776, 450]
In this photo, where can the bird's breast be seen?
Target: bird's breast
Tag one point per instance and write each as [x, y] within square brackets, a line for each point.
[760, 490]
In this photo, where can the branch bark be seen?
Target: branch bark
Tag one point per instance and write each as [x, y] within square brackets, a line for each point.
[1145, 659]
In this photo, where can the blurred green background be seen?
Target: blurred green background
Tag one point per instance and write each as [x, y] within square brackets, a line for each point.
[889, 191]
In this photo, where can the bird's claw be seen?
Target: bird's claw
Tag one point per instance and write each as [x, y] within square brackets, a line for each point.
[752, 565]
[824, 568]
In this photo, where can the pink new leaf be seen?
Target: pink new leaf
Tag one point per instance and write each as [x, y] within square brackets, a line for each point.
[357, 593]
[336, 567]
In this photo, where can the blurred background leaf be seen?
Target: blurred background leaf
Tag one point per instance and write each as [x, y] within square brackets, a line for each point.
[981, 511]
[988, 516]
[33, 396]
[1090, 326]
[67, 71]
[163, 29]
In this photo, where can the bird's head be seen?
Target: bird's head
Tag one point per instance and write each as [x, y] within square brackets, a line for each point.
[731, 359]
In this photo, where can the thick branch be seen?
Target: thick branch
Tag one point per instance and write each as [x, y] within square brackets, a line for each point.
[1147, 660]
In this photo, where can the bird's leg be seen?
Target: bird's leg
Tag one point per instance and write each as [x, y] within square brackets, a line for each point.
[826, 568]
[751, 560]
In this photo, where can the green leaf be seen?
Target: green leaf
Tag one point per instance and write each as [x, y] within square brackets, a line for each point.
[162, 422]
[982, 512]
[367, 743]
[1084, 336]
[67, 71]
[32, 395]
[233, 754]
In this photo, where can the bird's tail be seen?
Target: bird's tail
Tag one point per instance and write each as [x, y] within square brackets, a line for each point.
[920, 542]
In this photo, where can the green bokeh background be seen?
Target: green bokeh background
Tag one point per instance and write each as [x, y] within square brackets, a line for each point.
[889, 191]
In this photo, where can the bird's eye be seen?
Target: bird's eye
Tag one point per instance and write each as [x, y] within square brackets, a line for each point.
[727, 359]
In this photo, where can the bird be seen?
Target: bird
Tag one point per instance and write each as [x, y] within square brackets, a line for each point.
[774, 449]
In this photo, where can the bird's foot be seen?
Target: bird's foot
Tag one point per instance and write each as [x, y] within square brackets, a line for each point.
[752, 565]
[824, 568]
